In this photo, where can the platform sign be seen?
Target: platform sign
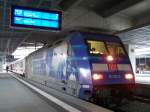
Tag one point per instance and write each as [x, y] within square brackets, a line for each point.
[35, 18]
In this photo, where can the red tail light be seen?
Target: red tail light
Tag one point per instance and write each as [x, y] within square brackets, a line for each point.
[129, 76]
[97, 76]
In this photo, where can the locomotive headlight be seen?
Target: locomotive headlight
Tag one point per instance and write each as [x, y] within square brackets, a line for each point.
[97, 76]
[84, 72]
[110, 58]
[129, 76]
[64, 56]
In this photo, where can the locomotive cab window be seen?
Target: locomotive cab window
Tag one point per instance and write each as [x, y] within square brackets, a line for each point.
[115, 49]
[96, 47]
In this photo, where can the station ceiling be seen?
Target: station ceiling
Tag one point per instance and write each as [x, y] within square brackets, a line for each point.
[130, 19]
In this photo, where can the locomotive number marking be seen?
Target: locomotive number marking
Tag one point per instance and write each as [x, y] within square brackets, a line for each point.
[114, 76]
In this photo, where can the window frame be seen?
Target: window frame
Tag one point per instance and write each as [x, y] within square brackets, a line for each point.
[88, 49]
[121, 45]
[105, 44]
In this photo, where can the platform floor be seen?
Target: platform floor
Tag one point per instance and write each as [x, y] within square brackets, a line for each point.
[16, 97]
[142, 79]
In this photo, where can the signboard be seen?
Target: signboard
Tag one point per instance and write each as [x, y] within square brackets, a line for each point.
[35, 18]
[9, 58]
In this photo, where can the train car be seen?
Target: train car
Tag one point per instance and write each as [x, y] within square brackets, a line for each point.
[18, 66]
[87, 65]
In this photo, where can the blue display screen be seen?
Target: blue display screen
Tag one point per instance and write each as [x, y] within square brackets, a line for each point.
[35, 18]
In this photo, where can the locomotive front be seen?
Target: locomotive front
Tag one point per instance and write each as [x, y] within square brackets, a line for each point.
[111, 70]
[109, 66]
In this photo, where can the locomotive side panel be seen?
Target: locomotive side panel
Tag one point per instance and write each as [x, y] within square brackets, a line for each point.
[49, 66]
[81, 66]
[36, 66]
[57, 66]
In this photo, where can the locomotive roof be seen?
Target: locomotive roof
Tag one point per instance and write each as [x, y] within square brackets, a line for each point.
[84, 32]
[89, 30]
[95, 33]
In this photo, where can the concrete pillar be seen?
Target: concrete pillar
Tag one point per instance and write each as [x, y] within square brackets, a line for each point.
[131, 52]
[1, 63]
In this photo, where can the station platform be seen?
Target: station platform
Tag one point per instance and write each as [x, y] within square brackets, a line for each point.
[142, 85]
[143, 78]
[18, 95]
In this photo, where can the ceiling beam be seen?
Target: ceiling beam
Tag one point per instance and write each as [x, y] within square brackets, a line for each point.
[143, 21]
[66, 4]
[119, 7]
[4, 12]
[13, 37]
[8, 45]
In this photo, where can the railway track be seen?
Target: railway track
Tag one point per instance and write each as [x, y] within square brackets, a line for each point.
[117, 110]
[142, 99]
[137, 104]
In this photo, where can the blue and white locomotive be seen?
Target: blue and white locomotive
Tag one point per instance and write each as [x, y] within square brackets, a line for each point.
[86, 65]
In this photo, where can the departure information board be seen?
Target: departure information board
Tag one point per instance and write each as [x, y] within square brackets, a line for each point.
[35, 18]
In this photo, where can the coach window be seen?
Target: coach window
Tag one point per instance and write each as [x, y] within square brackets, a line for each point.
[96, 47]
